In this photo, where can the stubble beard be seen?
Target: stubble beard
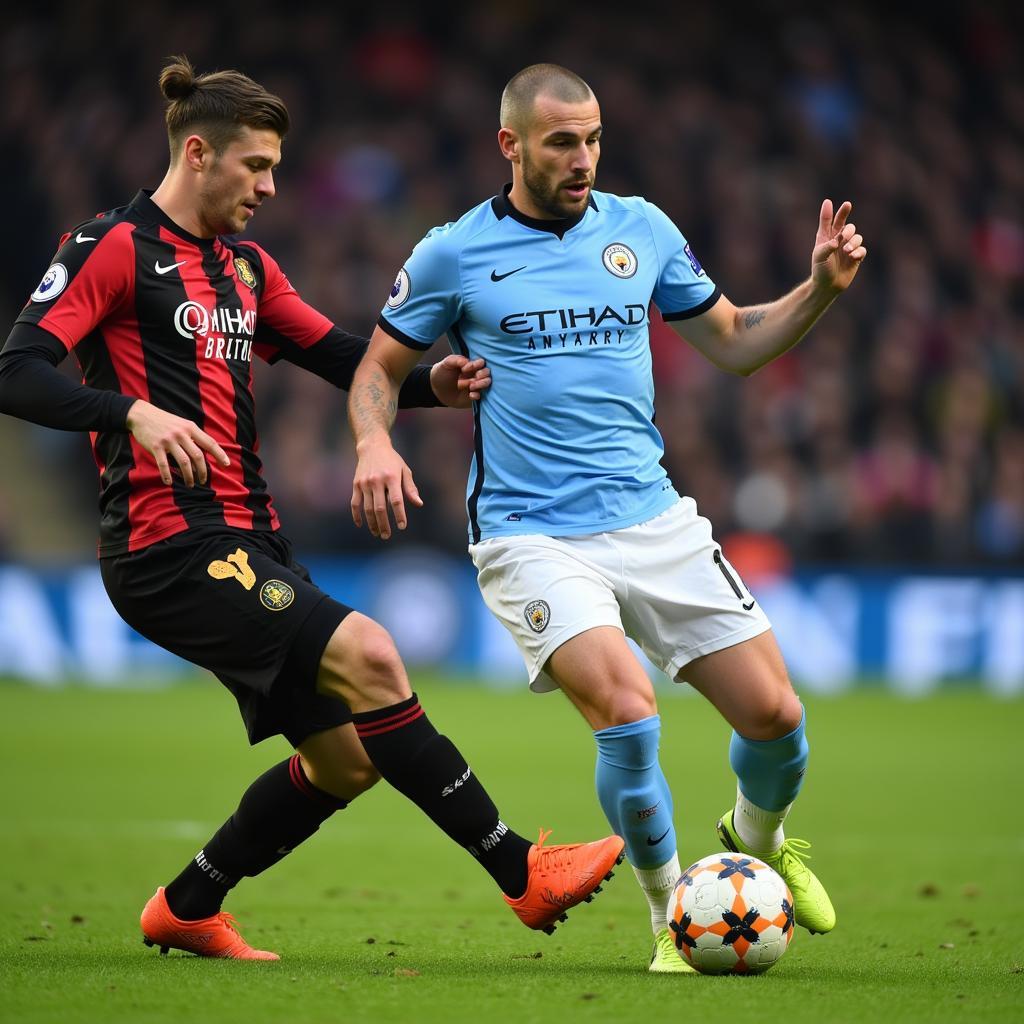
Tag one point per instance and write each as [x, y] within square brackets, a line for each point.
[217, 210]
[544, 194]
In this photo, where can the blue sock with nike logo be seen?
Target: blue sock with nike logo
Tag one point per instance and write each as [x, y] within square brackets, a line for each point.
[638, 804]
[633, 791]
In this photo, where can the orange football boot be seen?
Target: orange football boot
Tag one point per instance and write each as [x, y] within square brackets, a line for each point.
[559, 877]
[209, 936]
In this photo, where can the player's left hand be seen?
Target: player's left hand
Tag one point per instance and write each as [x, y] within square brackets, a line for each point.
[382, 484]
[838, 248]
[459, 382]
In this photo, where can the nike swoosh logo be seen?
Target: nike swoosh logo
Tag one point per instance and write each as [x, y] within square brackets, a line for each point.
[747, 607]
[167, 270]
[654, 842]
[495, 276]
[83, 238]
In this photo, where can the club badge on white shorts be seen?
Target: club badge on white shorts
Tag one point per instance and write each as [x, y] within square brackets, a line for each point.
[538, 615]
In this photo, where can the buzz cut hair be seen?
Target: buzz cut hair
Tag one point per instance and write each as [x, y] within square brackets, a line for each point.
[519, 96]
[217, 105]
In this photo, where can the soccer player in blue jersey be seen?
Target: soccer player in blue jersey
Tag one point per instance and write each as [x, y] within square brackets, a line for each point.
[578, 536]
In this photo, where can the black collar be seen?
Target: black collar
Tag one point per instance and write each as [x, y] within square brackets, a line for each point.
[502, 207]
[143, 202]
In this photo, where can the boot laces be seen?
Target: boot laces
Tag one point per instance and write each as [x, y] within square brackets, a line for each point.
[229, 920]
[791, 857]
[663, 941]
[553, 858]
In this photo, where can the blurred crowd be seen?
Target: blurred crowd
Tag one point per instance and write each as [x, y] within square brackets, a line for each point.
[893, 433]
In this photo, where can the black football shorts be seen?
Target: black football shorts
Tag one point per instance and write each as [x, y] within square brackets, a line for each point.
[235, 602]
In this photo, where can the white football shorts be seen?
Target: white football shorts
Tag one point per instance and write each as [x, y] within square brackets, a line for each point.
[665, 583]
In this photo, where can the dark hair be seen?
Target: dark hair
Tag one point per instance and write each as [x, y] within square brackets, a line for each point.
[217, 105]
[523, 89]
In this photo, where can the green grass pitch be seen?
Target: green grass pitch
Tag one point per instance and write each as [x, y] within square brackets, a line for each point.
[914, 809]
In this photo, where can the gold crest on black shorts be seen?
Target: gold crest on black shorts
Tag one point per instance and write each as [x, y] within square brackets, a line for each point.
[276, 595]
[234, 567]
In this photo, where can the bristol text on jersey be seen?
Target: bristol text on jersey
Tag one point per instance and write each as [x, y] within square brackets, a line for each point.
[228, 332]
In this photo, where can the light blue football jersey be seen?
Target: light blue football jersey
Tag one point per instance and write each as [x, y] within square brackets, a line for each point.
[565, 440]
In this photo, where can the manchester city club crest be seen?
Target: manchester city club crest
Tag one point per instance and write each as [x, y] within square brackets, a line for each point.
[538, 615]
[619, 260]
[244, 272]
[276, 595]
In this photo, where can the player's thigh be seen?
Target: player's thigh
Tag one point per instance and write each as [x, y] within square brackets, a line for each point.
[749, 686]
[230, 602]
[681, 599]
[237, 604]
[544, 594]
[599, 673]
[555, 598]
[334, 760]
[361, 665]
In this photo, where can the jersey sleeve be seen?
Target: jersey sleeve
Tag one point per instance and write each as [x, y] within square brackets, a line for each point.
[90, 275]
[33, 389]
[284, 320]
[426, 298]
[683, 288]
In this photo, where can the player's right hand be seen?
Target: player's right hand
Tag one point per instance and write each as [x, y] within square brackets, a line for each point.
[382, 481]
[168, 437]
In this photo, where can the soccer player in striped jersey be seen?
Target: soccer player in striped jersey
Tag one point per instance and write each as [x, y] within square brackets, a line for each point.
[164, 309]
[578, 535]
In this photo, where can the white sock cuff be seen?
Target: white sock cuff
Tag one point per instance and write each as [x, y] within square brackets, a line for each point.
[663, 877]
[758, 815]
[758, 829]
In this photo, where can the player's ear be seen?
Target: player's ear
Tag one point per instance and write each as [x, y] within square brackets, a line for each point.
[195, 152]
[508, 143]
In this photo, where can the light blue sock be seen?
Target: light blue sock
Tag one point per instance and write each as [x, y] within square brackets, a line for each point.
[633, 791]
[770, 772]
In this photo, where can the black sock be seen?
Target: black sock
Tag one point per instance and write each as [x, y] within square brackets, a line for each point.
[280, 810]
[428, 769]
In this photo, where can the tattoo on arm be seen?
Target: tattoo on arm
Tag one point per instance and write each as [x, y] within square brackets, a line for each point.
[371, 406]
[753, 318]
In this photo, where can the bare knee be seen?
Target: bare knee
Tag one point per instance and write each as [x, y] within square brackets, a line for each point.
[631, 707]
[774, 714]
[377, 662]
[362, 666]
[598, 672]
[606, 706]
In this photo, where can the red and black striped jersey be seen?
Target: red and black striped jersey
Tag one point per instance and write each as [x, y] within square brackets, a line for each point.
[155, 313]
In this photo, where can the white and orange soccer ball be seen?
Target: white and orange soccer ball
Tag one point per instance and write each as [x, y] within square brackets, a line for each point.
[731, 914]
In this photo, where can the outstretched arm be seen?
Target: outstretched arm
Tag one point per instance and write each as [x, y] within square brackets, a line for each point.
[743, 339]
[32, 388]
[454, 381]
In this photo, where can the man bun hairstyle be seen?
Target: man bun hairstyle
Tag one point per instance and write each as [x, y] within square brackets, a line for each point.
[216, 105]
[521, 93]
